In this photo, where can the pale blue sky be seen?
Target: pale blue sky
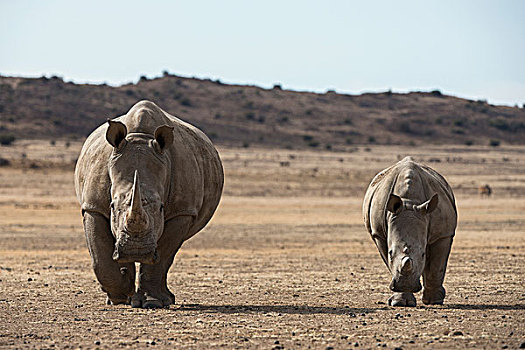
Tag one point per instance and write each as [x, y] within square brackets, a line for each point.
[473, 49]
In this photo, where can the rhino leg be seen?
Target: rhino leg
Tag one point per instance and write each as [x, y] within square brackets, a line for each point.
[434, 273]
[117, 280]
[153, 289]
[402, 299]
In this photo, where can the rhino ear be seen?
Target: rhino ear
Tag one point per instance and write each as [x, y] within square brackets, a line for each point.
[429, 205]
[116, 133]
[163, 138]
[394, 204]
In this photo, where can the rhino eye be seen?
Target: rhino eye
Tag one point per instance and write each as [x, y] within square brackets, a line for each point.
[161, 207]
[112, 205]
[390, 253]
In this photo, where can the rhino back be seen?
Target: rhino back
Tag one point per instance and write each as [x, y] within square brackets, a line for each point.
[416, 182]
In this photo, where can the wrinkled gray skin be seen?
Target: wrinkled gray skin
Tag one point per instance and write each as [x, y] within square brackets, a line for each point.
[410, 212]
[146, 182]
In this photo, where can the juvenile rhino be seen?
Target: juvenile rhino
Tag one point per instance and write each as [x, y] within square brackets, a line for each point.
[147, 182]
[410, 212]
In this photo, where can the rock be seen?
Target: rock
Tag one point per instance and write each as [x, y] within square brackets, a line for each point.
[522, 346]
[356, 344]
[457, 333]
[97, 342]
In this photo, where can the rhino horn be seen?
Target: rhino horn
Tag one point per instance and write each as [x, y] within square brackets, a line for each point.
[406, 265]
[136, 220]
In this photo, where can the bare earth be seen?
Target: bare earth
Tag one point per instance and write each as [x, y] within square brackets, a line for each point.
[285, 263]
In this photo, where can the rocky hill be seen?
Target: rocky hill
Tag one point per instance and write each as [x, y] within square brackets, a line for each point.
[248, 115]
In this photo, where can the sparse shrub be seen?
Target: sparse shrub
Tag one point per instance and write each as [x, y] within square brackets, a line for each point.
[213, 135]
[438, 121]
[405, 127]
[328, 147]
[7, 139]
[165, 73]
[308, 138]
[436, 93]
[261, 119]
[52, 142]
[130, 92]
[494, 143]
[313, 144]
[67, 144]
[57, 122]
[4, 162]
[143, 78]
[277, 87]
[284, 120]
[249, 105]
[186, 102]
[250, 116]
[309, 111]
[371, 139]
[245, 144]
[459, 122]
[218, 116]
[348, 121]
[458, 131]
[469, 142]
[349, 141]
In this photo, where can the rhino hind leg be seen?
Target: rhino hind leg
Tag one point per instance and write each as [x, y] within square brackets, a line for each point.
[117, 280]
[153, 291]
[434, 273]
[402, 299]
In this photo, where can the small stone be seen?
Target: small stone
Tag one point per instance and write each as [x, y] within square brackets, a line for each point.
[398, 348]
[356, 344]
[457, 333]
[505, 347]
[29, 279]
[153, 342]
[412, 342]
[344, 337]
[97, 342]
[329, 348]
[522, 346]
[276, 342]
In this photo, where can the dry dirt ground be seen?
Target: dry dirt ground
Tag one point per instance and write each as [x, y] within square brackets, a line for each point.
[285, 263]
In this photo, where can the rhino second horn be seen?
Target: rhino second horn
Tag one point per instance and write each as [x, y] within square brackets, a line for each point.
[406, 265]
[136, 219]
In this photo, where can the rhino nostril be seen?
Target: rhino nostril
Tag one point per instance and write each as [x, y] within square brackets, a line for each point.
[406, 264]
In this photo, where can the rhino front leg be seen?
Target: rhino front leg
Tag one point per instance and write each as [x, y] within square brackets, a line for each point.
[434, 273]
[117, 280]
[153, 289]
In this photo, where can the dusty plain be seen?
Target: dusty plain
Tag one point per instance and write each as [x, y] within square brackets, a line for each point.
[285, 263]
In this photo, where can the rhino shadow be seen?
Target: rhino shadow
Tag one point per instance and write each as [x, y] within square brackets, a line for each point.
[282, 309]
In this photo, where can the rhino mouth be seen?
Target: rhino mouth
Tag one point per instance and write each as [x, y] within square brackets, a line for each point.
[135, 252]
[405, 286]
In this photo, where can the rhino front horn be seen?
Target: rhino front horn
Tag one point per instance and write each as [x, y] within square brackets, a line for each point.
[406, 265]
[136, 219]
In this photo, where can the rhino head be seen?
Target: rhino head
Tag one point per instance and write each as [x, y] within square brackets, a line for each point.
[407, 241]
[139, 174]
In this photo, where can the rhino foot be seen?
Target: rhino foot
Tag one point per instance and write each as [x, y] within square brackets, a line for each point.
[402, 299]
[147, 300]
[433, 296]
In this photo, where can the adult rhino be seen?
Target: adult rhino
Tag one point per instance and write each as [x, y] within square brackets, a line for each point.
[410, 212]
[147, 182]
